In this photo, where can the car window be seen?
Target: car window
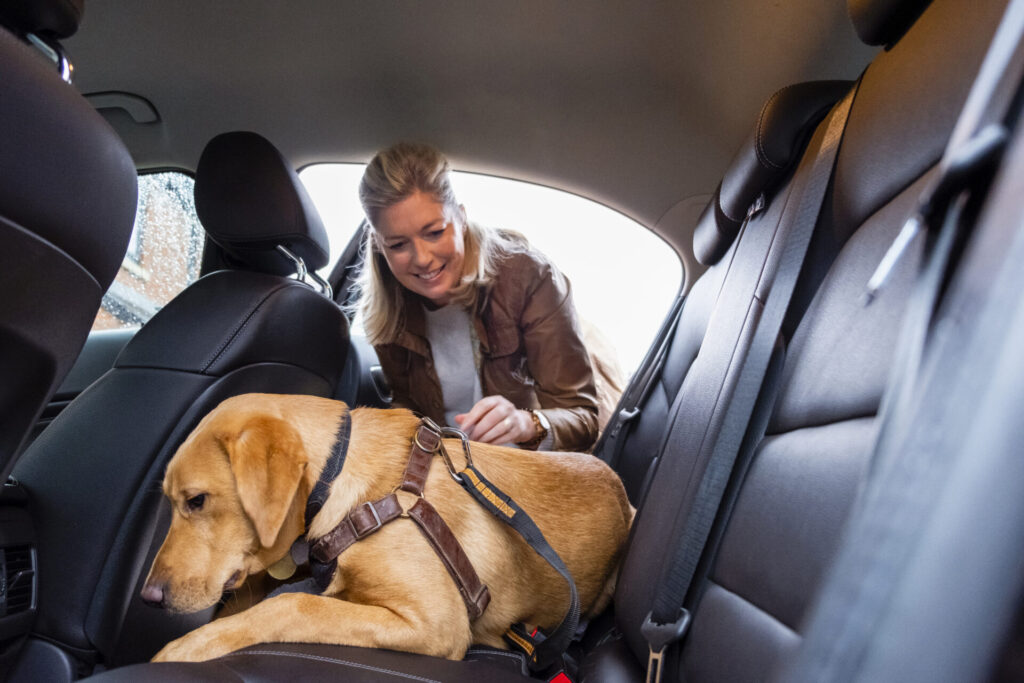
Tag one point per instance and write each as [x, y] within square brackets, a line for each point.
[163, 255]
[624, 277]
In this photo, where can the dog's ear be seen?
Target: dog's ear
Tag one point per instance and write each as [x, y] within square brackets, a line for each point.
[268, 459]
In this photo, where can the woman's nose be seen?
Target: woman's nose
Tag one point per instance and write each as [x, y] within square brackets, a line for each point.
[420, 253]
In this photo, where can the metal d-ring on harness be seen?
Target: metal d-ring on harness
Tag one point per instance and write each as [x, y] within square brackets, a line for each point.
[439, 448]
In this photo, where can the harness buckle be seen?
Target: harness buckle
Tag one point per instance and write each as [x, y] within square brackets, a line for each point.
[443, 432]
[360, 533]
[434, 429]
[659, 637]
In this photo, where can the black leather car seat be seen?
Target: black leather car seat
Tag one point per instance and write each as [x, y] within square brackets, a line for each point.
[757, 174]
[774, 544]
[67, 202]
[93, 476]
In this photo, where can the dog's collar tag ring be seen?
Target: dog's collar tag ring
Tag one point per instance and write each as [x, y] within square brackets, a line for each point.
[283, 568]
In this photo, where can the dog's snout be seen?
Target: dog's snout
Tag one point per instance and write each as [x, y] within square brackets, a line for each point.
[153, 595]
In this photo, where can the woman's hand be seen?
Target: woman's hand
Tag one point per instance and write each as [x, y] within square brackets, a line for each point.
[495, 420]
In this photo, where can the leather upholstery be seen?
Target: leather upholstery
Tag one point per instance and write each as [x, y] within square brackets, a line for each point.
[250, 200]
[239, 318]
[58, 249]
[52, 18]
[763, 161]
[93, 476]
[280, 662]
[804, 474]
[756, 585]
[798, 491]
[882, 22]
[779, 140]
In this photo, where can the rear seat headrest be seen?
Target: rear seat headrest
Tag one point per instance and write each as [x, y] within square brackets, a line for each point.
[883, 22]
[50, 18]
[777, 141]
[250, 200]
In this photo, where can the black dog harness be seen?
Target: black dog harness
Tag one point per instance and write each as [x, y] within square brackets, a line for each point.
[542, 650]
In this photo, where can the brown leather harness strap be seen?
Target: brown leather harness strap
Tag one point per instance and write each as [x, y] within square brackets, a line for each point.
[474, 592]
[424, 444]
[368, 517]
[362, 521]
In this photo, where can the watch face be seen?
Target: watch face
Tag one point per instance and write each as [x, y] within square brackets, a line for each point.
[543, 420]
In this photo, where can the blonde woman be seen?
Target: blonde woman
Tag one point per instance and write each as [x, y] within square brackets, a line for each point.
[473, 327]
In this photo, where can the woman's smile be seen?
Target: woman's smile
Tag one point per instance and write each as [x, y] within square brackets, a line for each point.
[422, 242]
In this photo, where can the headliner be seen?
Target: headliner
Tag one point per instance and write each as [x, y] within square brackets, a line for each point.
[638, 105]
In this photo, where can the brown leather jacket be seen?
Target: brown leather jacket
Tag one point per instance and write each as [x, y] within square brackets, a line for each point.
[531, 352]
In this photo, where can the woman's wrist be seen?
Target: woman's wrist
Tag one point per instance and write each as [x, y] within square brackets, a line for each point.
[536, 430]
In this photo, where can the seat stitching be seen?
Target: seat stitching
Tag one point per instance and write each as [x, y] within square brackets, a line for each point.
[753, 605]
[230, 339]
[762, 154]
[333, 660]
[503, 653]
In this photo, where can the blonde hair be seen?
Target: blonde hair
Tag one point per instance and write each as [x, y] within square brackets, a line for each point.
[393, 175]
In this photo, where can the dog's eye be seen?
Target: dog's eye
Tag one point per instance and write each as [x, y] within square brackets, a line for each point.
[196, 502]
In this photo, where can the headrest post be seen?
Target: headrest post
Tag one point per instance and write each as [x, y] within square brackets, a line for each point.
[300, 265]
[302, 273]
[325, 286]
[55, 53]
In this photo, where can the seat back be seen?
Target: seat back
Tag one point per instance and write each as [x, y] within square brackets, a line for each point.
[756, 173]
[790, 499]
[94, 474]
[67, 203]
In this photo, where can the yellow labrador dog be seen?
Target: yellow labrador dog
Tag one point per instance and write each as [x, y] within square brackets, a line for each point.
[238, 486]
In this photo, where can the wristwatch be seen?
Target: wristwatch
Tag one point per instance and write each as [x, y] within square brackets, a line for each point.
[542, 426]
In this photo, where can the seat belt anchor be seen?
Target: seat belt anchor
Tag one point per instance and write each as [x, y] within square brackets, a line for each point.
[659, 637]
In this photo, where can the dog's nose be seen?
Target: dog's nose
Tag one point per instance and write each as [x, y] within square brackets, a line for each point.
[153, 595]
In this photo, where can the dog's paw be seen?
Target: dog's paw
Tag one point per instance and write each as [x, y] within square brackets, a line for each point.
[179, 650]
[208, 642]
[192, 647]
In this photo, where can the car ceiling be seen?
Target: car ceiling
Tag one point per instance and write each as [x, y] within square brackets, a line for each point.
[639, 105]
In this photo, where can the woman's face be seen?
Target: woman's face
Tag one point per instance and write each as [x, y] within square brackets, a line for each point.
[423, 245]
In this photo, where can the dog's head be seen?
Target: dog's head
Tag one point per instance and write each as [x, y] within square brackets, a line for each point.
[237, 497]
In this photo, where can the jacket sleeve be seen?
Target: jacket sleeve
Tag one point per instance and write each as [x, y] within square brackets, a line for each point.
[558, 361]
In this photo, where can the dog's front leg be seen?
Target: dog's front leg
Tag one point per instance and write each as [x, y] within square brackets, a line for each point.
[303, 618]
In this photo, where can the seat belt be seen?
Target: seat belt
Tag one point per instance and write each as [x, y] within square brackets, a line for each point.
[668, 621]
[900, 490]
[609, 448]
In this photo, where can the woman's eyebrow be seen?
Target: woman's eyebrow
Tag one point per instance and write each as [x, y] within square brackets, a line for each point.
[431, 224]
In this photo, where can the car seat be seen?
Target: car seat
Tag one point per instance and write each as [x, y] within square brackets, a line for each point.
[93, 476]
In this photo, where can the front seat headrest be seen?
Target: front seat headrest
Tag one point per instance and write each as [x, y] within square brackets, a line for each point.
[51, 18]
[883, 22]
[250, 200]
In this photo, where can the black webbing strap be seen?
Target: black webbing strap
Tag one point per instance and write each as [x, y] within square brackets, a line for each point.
[323, 571]
[668, 621]
[545, 652]
[614, 436]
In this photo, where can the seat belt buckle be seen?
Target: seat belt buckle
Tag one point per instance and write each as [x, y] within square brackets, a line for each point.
[626, 415]
[659, 637]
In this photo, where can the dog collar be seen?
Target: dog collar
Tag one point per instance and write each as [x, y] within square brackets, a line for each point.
[321, 571]
[331, 469]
